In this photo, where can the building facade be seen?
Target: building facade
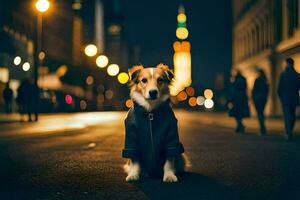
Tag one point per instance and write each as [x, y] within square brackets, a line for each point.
[265, 33]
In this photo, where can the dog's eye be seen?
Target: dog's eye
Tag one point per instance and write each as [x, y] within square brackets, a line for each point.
[160, 80]
[144, 80]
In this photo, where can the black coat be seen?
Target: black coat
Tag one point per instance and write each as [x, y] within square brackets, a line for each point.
[260, 91]
[238, 98]
[288, 87]
[151, 137]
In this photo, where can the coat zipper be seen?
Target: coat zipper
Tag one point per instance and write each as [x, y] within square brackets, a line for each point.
[151, 132]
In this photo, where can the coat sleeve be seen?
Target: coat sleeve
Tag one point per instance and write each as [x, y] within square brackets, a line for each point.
[174, 147]
[131, 148]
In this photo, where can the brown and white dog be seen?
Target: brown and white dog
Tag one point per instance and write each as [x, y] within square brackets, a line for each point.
[149, 90]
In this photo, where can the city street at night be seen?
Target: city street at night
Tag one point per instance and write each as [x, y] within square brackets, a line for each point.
[78, 156]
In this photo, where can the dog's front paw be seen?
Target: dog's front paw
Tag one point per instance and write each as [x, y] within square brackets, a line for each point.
[169, 177]
[132, 177]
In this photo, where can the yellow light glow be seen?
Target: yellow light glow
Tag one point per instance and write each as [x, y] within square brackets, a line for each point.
[102, 61]
[182, 96]
[182, 33]
[185, 46]
[62, 70]
[181, 18]
[208, 103]
[42, 5]
[208, 94]
[26, 66]
[90, 50]
[123, 78]
[113, 69]
[177, 46]
[193, 101]
[129, 103]
[17, 60]
[42, 55]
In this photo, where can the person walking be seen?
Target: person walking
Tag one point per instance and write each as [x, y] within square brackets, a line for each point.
[238, 101]
[260, 96]
[22, 98]
[33, 101]
[288, 92]
[8, 98]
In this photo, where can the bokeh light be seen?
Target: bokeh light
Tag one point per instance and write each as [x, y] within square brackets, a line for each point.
[89, 80]
[208, 94]
[113, 69]
[129, 103]
[181, 18]
[190, 91]
[200, 100]
[17, 60]
[208, 103]
[193, 101]
[182, 33]
[83, 105]
[182, 96]
[109, 94]
[42, 55]
[62, 70]
[90, 50]
[68, 99]
[26, 66]
[42, 5]
[102, 61]
[123, 78]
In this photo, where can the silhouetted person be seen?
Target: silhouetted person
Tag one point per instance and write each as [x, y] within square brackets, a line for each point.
[33, 101]
[288, 91]
[22, 97]
[8, 98]
[239, 108]
[260, 96]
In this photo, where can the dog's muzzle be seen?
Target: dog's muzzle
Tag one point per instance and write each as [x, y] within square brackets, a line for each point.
[153, 94]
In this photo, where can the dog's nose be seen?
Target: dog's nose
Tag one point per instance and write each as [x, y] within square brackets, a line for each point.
[153, 94]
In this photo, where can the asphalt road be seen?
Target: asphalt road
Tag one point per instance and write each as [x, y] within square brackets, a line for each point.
[78, 156]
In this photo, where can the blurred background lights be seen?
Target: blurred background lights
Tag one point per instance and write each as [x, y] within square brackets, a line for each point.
[89, 80]
[17, 60]
[182, 33]
[208, 94]
[90, 50]
[113, 69]
[62, 70]
[123, 78]
[208, 103]
[26, 66]
[42, 5]
[102, 61]
[181, 18]
[42, 55]
[109, 94]
[68, 99]
[83, 105]
[182, 96]
[200, 100]
[190, 91]
[193, 101]
[129, 103]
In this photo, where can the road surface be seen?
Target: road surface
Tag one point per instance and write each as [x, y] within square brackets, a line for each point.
[78, 156]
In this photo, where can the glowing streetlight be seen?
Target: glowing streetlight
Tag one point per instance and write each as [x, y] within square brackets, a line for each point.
[102, 61]
[113, 69]
[17, 60]
[26, 66]
[90, 50]
[42, 5]
[123, 78]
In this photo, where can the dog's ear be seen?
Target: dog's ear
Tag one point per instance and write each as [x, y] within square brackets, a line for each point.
[134, 73]
[168, 72]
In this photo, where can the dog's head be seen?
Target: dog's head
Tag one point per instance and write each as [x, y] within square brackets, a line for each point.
[150, 86]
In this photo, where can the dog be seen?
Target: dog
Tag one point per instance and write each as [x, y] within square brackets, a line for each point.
[151, 139]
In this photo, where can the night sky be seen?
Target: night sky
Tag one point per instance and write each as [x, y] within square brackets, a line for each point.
[152, 25]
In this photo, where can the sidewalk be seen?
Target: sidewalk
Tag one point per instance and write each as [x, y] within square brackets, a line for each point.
[274, 125]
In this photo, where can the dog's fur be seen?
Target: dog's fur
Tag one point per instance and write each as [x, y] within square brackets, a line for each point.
[142, 81]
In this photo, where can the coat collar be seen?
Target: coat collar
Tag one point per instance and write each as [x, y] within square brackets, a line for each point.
[162, 108]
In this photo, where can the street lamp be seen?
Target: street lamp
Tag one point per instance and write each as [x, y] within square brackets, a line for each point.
[42, 5]
[90, 50]
[102, 61]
